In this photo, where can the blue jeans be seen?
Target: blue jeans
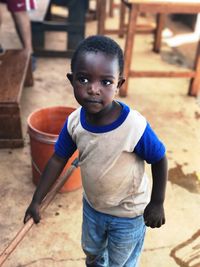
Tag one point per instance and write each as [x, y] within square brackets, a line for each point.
[110, 241]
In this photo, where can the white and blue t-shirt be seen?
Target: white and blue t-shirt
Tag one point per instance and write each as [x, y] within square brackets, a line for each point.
[112, 159]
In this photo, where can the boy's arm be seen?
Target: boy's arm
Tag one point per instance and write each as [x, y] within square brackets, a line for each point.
[51, 172]
[154, 215]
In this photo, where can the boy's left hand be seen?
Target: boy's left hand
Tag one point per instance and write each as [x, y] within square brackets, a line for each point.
[154, 215]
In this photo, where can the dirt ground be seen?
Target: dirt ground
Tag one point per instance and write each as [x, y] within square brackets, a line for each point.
[174, 116]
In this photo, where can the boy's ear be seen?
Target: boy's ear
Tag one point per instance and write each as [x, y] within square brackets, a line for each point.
[70, 77]
[120, 82]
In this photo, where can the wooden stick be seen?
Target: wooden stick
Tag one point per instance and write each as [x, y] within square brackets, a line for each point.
[46, 201]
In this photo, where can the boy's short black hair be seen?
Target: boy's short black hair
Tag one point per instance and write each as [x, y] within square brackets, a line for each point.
[99, 43]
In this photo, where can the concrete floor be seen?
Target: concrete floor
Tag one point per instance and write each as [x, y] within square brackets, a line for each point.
[173, 115]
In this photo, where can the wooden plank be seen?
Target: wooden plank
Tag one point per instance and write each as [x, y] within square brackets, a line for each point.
[167, 7]
[11, 129]
[162, 74]
[54, 53]
[170, 9]
[141, 29]
[13, 70]
[10, 122]
[59, 26]
[164, 2]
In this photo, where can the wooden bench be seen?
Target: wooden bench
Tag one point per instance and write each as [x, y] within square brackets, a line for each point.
[15, 73]
[159, 7]
[41, 22]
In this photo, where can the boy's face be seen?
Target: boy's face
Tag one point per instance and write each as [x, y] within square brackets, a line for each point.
[95, 81]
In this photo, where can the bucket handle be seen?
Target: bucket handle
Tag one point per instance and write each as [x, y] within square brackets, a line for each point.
[35, 166]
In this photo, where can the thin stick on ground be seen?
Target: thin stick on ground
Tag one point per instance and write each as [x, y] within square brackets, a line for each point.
[27, 226]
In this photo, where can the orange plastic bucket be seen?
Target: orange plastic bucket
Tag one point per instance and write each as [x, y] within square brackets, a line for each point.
[44, 126]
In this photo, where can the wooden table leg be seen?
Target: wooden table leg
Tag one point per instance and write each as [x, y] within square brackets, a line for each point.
[111, 7]
[77, 10]
[195, 82]
[130, 36]
[160, 21]
[29, 75]
[101, 16]
[122, 19]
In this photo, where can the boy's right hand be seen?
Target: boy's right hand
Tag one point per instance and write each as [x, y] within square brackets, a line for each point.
[32, 212]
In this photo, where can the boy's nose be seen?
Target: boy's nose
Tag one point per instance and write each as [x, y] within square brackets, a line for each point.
[94, 88]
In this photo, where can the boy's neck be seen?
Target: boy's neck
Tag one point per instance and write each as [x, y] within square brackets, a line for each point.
[106, 116]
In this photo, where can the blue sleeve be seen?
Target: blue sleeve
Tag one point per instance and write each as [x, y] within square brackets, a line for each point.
[149, 147]
[65, 146]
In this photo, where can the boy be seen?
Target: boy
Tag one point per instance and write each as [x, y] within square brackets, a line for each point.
[113, 143]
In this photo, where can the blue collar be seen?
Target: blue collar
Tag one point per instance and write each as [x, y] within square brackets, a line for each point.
[106, 128]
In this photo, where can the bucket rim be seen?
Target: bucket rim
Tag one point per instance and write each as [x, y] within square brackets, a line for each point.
[32, 128]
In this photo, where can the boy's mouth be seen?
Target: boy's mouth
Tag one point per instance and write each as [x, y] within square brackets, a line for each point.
[93, 101]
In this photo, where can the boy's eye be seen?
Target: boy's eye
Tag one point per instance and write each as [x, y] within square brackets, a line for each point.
[106, 82]
[83, 80]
